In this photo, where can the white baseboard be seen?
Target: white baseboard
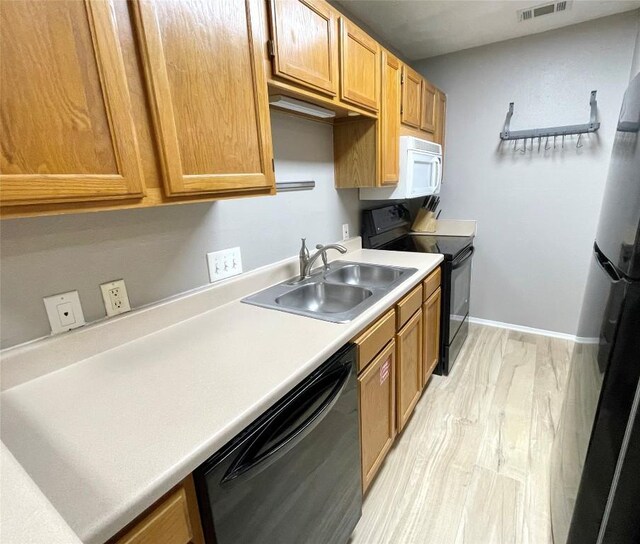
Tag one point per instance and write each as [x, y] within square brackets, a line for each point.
[531, 330]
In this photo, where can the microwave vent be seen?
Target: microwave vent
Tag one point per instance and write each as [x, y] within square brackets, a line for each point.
[424, 145]
[528, 14]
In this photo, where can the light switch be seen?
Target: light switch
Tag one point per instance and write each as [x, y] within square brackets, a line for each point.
[224, 264]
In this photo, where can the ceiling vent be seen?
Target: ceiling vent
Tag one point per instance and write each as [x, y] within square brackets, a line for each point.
[544, 9]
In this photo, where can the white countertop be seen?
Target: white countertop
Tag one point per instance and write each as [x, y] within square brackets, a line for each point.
[106, 436]
[27, 515]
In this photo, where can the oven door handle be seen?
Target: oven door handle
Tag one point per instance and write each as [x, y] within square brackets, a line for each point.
[459, 261]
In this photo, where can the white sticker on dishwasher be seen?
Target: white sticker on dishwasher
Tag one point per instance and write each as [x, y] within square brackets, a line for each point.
[384, 371]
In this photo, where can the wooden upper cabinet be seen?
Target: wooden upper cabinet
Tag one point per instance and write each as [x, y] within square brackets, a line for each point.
[441, 117]
[208, 94]
[390, 120]
[66, 131]
[411, 92]
[304, 44]
[359, 67]
[428, 109]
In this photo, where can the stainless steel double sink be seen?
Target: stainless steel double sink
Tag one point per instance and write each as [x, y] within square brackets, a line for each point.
[339, 294]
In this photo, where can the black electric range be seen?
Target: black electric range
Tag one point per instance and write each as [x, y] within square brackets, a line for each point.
[388, 227]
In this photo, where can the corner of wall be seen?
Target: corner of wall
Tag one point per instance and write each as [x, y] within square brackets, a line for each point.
[635, 59]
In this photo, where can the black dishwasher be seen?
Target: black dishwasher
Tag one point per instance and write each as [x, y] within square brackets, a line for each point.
[293, 475]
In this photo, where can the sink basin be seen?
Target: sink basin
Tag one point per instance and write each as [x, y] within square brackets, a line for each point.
[338, 295]
[326, 298]
[364, 274]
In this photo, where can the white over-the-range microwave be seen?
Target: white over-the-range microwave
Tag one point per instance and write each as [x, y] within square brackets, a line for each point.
[420, 172]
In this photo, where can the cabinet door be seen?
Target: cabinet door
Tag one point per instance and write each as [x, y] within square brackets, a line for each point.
[305, 50]
[390, 120]
[208, 93]
[431, 315]
[409, 368]
[174, 519]
[66, 131]
[428, 109]
[441, 115]
[359, 66]
[376, 387]
[411, 84]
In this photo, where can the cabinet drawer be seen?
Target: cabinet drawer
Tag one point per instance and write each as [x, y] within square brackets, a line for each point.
[375, 338]
[431, 283]
[409, 305]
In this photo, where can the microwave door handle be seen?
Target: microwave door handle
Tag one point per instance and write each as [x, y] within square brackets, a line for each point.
[434, 175]
[438, 173]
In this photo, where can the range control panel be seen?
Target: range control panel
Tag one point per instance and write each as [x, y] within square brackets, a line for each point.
[389, 217]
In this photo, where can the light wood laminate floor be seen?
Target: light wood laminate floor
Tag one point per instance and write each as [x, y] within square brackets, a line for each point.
[472, 465]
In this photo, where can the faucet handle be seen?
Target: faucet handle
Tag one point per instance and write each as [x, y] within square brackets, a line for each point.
[304, 251]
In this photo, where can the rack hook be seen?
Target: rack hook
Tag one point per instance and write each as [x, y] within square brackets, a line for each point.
[524, 147]
[563, 140]
[546, 144]
[515, 142]
[578, 144]
[539, 138]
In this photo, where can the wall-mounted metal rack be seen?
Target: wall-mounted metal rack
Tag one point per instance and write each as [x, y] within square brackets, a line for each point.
[286, 186]
[551, 132]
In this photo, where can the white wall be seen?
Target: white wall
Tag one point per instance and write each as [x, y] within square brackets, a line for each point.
[161, 252]
[536, 212]
[635, 63]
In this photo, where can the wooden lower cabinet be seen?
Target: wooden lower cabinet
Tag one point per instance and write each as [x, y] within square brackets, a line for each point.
[376, 388]
[396, 356]
[408, 368]
[174, 519]
[431, 313]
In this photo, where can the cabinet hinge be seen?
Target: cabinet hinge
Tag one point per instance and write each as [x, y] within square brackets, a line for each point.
[401, 110]
[401, 79]
[271, 48]
[273, 165]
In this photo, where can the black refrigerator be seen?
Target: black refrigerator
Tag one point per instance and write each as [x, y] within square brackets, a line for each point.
[595, 463]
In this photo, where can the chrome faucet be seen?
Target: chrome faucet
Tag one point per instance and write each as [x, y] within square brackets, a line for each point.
[306, 261]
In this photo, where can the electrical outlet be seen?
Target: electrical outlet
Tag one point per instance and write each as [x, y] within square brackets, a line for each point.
[224, 263]
[345, 231]
[115, 297]
[64, 312]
